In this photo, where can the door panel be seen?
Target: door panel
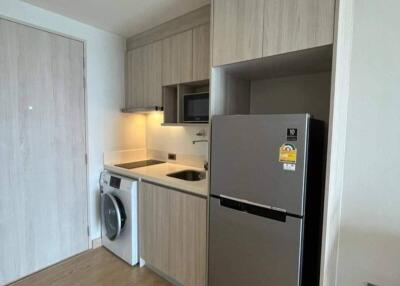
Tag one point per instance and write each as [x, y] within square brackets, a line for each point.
[237, 30]
[173, 233]
[154, 232]
[43, 208]
[251, 144]
[201, 52]
[144, 76]
[246, 249]
[296, 25]
[136, 78]
[177, 58]
[153, 74]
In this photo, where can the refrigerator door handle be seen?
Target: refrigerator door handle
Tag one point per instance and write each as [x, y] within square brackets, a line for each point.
[244, 201]
[253, 208]
[252, 203]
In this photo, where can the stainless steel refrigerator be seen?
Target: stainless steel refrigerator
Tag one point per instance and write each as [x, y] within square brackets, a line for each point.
[266, 200]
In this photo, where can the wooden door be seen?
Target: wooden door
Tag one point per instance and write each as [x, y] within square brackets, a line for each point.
[43, 205]
[173, 233]
[177, 58]
[291, 25]
[201, 52]
[237, 30]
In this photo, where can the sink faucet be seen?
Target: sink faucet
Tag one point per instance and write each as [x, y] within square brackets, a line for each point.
[206, 165]
[197, 141]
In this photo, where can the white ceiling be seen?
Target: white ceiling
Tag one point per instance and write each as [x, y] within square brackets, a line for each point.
[123, 17]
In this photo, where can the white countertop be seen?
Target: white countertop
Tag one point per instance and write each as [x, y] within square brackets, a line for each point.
[158, 174]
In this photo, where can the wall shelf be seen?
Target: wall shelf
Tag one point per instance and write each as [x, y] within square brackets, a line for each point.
[172, 101]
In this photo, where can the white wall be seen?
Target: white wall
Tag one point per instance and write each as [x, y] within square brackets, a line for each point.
[369, 244]
[108, 129]
[306, 93]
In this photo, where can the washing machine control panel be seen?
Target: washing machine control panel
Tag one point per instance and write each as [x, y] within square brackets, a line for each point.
[115, 182]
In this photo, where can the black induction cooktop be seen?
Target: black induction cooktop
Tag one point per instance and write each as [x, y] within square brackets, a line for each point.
[139, 164]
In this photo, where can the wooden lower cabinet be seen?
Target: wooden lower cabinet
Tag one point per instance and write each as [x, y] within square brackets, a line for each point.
[173, 233]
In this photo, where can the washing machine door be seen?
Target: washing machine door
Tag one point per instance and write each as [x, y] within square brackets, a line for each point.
[113, 214]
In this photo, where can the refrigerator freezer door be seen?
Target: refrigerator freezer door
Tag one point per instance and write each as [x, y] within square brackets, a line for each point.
[246, 159]
[250, 250]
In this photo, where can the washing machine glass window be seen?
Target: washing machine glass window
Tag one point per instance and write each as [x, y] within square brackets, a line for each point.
[114, 216]
[119, 216]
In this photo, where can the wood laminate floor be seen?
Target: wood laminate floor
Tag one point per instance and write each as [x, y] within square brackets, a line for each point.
[94, 267]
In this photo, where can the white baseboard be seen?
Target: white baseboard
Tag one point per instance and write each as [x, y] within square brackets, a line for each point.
[142, 262]
[96, 243]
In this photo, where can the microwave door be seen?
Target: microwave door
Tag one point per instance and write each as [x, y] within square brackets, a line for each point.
[196, 107]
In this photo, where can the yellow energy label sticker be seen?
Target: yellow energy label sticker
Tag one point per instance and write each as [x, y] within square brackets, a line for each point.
[287, 153]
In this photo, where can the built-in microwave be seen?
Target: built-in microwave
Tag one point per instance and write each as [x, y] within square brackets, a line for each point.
[196, 107]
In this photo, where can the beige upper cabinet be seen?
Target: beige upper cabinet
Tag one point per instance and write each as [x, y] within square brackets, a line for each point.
[291, 25]
[177, 57]
[144, 76]
[201, 52]
[237, 30]
[250, 29]
[176, 52]
[153, 74]
[135, 93]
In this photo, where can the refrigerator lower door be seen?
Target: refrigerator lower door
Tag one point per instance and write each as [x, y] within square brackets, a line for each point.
[246, 249]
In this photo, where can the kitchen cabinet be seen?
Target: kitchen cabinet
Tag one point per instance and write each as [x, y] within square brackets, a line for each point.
[237, 30]
[173, 53]
[177, 56]
[135, 93]
[245, 30]
[201, 53]
[173, 233]
[144, 76]
[296, 25]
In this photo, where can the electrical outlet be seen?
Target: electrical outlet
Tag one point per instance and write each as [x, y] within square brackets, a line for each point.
[171, 156]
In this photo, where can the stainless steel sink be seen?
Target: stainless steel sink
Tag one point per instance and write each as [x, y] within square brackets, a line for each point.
[188, 175]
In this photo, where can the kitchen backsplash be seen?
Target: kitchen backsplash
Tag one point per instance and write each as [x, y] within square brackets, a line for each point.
[162, 140]
[183, 159]
[124, 156]
[177, 140]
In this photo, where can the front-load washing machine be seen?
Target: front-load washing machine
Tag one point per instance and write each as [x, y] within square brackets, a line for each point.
[119, 213]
